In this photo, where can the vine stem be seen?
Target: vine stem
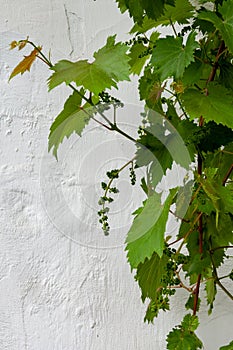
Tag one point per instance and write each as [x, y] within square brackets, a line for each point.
[173, 27]
[199, 170]
[112, 179]
[227, 175]
[111, 126]
[218, 281]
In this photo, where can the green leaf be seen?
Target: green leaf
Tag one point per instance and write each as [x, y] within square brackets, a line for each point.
[113, 60]
[225, 26]
[71, 119]
[227, 347]
[192, 73]
[153, 8]
[179, 12]
[221, 196]
[220, 236]
[212, 136]
[146, 235]
[150, 88]
[149, 275]
[82, 73]
[183, 337]
[221, 160]
[110, 66]
[215, 103]
[138, 58]
[226, 74]
[190, 303]
[211, 291]
[190, 323]
[171, 58]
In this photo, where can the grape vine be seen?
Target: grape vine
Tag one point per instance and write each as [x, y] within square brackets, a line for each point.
[185, 79]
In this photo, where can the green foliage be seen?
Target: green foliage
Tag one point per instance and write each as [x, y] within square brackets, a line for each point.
[183, 337]
[224, 23]
[179, 12]
[171, 58]
[148, 230]
[185, 80]
[73, 118]
[227, 347]
[214, 103]
[110, 66]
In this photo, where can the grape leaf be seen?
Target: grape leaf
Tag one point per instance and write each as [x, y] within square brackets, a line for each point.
[226, 74]
[110, 66]
[190, 303]
[225, 26]
[82, 73]
[192, 73]
[150, 88]
[149, 275]
[211, 291]
[137, 59]
[220, 196]
[138, 8]
[73, 118]
[154, 8]
[113, 60]
[216, 104]
[134, 7]
[178, 12]
[221, 160]
[171, 58]
[25, 64]
[227, 347]
[146, 235]
[183, 337]
[220, 236]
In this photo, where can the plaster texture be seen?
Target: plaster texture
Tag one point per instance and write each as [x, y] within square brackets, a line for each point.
[63, 286]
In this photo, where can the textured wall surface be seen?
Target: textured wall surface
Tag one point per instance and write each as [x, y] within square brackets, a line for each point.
[63, 286]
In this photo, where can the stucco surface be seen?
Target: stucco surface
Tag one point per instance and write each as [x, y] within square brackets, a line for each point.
[63, 286]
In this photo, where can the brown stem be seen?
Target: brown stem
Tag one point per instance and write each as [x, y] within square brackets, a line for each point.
[218, 281]
[178, 217]
[227, 175]
[215, 66]
[223, 247]
[182, 285]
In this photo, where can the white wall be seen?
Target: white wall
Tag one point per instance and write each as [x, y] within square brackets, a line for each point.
[63, 286]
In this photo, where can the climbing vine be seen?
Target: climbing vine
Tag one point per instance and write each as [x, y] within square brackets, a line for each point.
[186, 82]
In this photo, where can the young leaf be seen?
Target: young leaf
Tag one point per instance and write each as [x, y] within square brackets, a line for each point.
[183, 337]
[214, 104]
[73, 118]
[225, 26]
[146, 235]
[171, 58]
[25, 64]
